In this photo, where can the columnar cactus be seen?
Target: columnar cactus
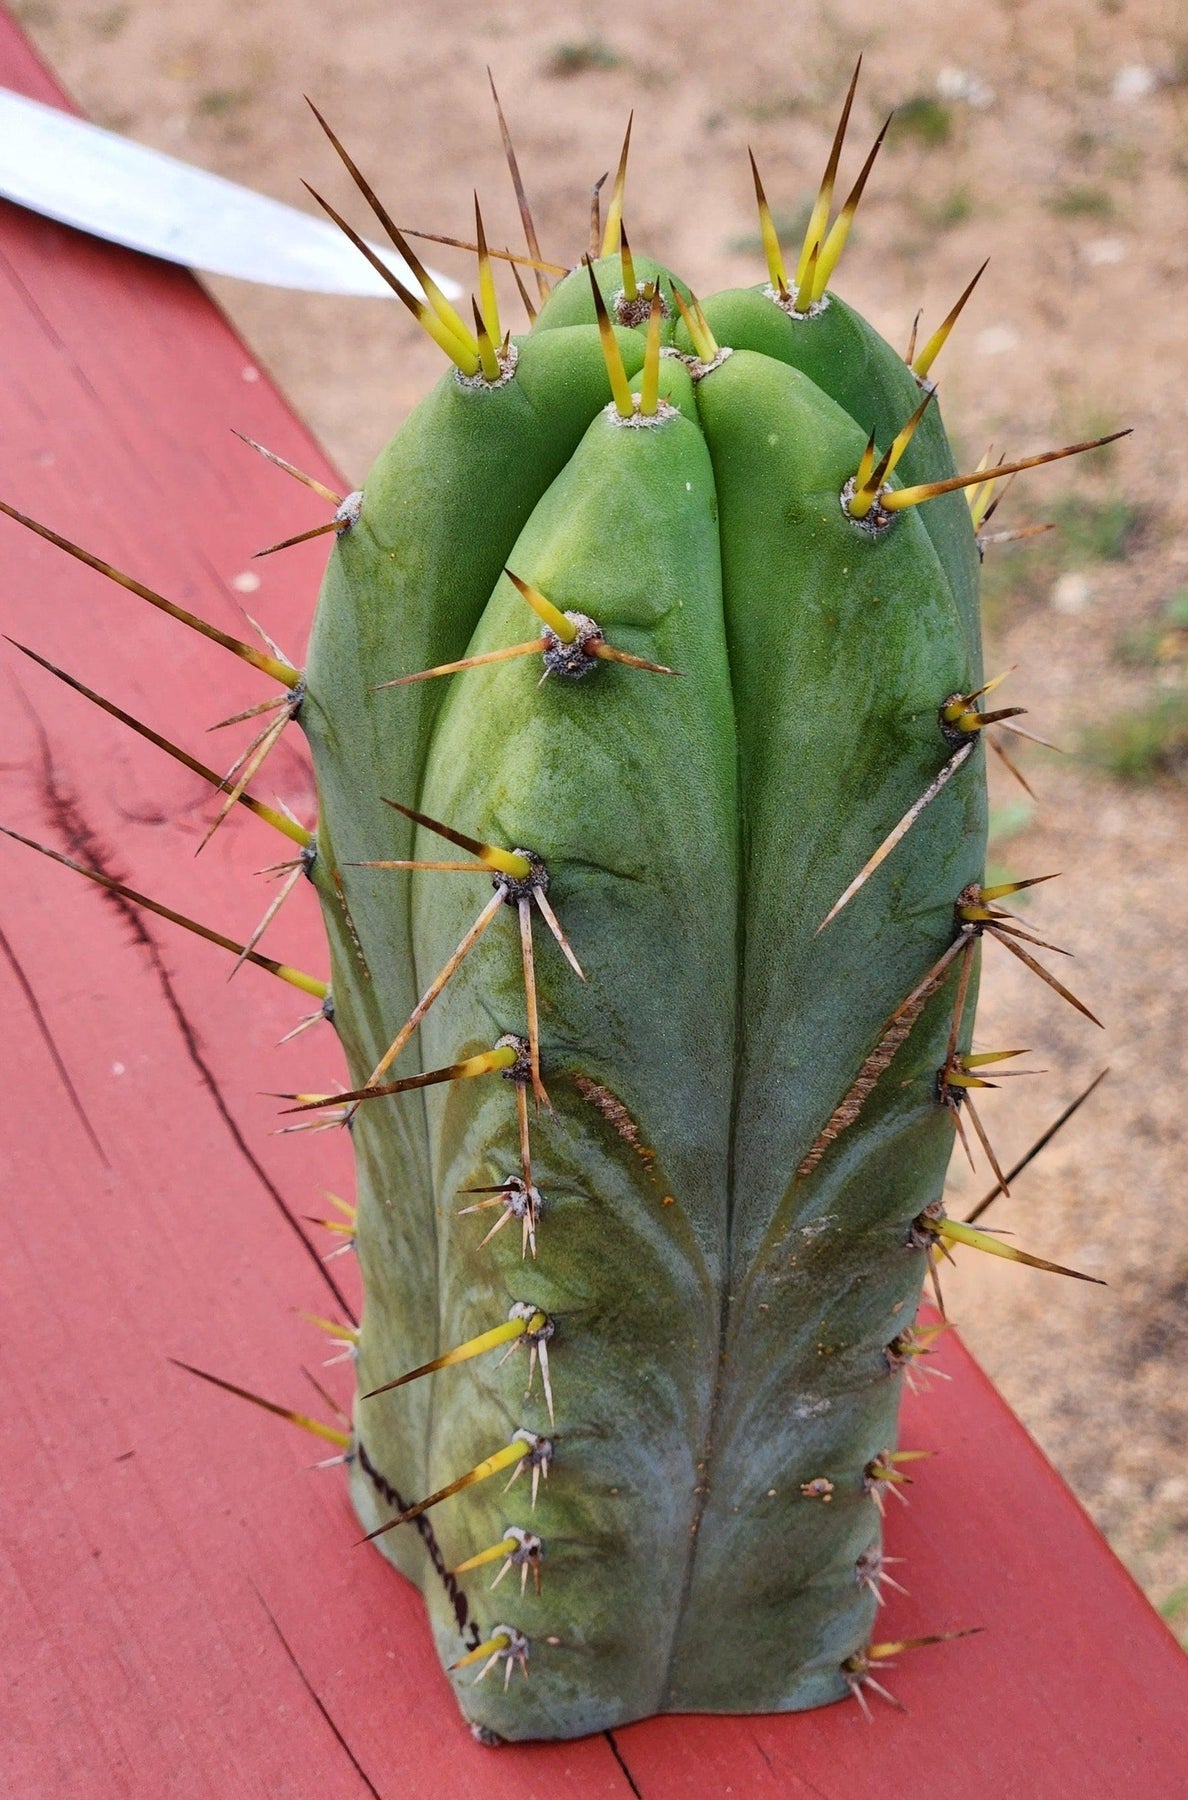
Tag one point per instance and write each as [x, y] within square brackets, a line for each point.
[636, 620]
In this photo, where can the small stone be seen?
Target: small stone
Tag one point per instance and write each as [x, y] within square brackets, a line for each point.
[1173, 1491]
[996, 340]
[1071, 593]
[1099, 252]
[1134, 81]
[960, 84]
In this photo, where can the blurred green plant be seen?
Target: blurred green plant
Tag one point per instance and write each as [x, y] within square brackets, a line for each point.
[1162, 644]
[582, 57]
[1126, 162]
[771, 107]
[952, 209]
[1088, 530]
[1148, 743]
[1174, 1609]
[218, 103]
[1081, 144]
[923, 118]
[1081, 202]
[1006, 822]
[110, 23]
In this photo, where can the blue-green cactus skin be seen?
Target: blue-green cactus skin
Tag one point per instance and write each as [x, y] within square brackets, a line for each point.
[723, 1300]
[851, 363]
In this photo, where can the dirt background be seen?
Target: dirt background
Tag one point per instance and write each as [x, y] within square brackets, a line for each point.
[1052, 137]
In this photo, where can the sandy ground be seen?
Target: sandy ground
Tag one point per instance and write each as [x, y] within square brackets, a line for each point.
[1062, 153]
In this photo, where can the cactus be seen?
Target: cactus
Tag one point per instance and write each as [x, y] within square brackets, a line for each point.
[641, 620]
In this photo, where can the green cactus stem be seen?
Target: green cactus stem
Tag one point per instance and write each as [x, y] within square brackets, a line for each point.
[718, 1194]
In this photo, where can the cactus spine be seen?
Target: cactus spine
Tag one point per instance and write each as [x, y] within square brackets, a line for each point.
[636, 621]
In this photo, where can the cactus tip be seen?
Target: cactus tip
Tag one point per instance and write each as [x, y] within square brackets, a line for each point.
[630, 285]
[505, 1642]
[955, 1231]
[976, 915]
[824, 261]
[523, 1321]
[616, 373]
[649, 392]
[1041, 1143]
[250, 762]
[525, 1447]
[936, 343]
[522, 202]
[278, 668]
[614, 211]
[488, 306]
[819, 216]
[315, 1427]
[894, 500]
[863, 491]
[856, 1670]
[318, 487]
[455, 342]
[776, 273]
[899, 831]
[309, 984]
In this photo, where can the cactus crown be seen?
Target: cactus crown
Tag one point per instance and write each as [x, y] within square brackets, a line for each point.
[641, 619]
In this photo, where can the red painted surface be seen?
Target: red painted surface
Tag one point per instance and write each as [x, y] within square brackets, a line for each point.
[150, 1526]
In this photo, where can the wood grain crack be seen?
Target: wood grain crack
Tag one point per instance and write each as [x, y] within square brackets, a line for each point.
[83, 842]
[42, 1023]
[307, 1684]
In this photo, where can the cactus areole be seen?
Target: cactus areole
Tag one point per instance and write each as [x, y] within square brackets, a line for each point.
[648, 721]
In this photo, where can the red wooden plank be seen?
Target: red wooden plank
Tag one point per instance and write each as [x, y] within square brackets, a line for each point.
[150, 1527]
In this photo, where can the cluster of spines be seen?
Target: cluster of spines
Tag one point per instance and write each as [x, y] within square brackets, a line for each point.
[571, 645]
